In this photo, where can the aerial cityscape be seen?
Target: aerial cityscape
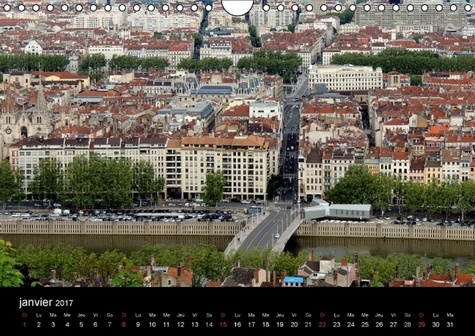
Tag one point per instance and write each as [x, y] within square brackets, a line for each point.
[198, 144]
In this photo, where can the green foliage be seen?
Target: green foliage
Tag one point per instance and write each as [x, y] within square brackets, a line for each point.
[144, 182]
[126, 62]
[291, 28]
[255, 40]
[345, 17]
[205, 64]
[205, 261]
[10, 276]
[30, 62]
[127, 276]
[273, 185]
[408, 62]
[416, 80]
[157, 35]
[8, 182]
[214, 188]
[92, 62]
[273, 63]
[198, 39]
[94, 179]
[359, 186]
[47, 179]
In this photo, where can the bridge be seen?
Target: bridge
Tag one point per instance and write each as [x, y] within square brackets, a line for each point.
[269, 230]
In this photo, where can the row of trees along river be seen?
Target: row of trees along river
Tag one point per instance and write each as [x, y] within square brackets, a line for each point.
[92, 179]
[407, 62]
[359, 186]
[205, 261]
[86, 180]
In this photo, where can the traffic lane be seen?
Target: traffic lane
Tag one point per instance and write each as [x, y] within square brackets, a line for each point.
[254, 239]
[265, 229]
[267, 238]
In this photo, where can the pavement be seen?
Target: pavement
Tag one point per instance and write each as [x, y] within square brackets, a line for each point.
[263, 234]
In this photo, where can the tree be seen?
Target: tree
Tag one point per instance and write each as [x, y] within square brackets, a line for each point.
[291, 28]
[157, 35]
[381, 187]
[355, 188]
[10, 275]
[47, 179]
[79, 183]
[8, 183]
[206, 263]
[127, 276]
[413, 196]
[143, 179]
[273, 185]
[214, 188]
[465, 197]
[117, 178]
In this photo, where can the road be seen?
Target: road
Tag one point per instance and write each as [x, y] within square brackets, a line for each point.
[263, 235]
[290, 146]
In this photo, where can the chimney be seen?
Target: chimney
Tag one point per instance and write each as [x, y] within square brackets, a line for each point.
[344, 262]
[53, 274]
[153, 261]
[311, 256]
[149, 271]
[274, 278]
[238, 264]
[418, 273]
[456, 270]
[178, 271]
[256, 276]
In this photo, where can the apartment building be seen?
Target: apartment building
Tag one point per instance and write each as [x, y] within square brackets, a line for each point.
[345, 77]
[184, 163]
[415, 20]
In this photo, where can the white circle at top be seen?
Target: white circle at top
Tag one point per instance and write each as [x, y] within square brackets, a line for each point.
[107, 8]
[410, 8]
[425, 8]
[209, 8]
[309, 8]
[453, 8]
[64, 8]
[50, 8]
[165, 8]
[352, 8]
[93, 8]
[280, 8]
[136, 8]
[323, 8]
[7, 8]
[194, 8]
[179, 7]
[35, 8]
[295, 7]
[367, 8]
[237, 7]
[122, 8]
[381, 8]
[78, 8]
[21, 8]
[467, 7]
[150, 8]
[338, 8]
[396, 8]
[266, 8]
[439, 8]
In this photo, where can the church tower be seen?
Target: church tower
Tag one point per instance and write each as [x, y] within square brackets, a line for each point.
[41, 117]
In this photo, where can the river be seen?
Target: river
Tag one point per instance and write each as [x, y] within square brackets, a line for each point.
[458, 251]
[461, 252]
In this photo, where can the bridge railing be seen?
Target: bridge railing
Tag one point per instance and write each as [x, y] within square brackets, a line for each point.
[379, 230]
[192, 228]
